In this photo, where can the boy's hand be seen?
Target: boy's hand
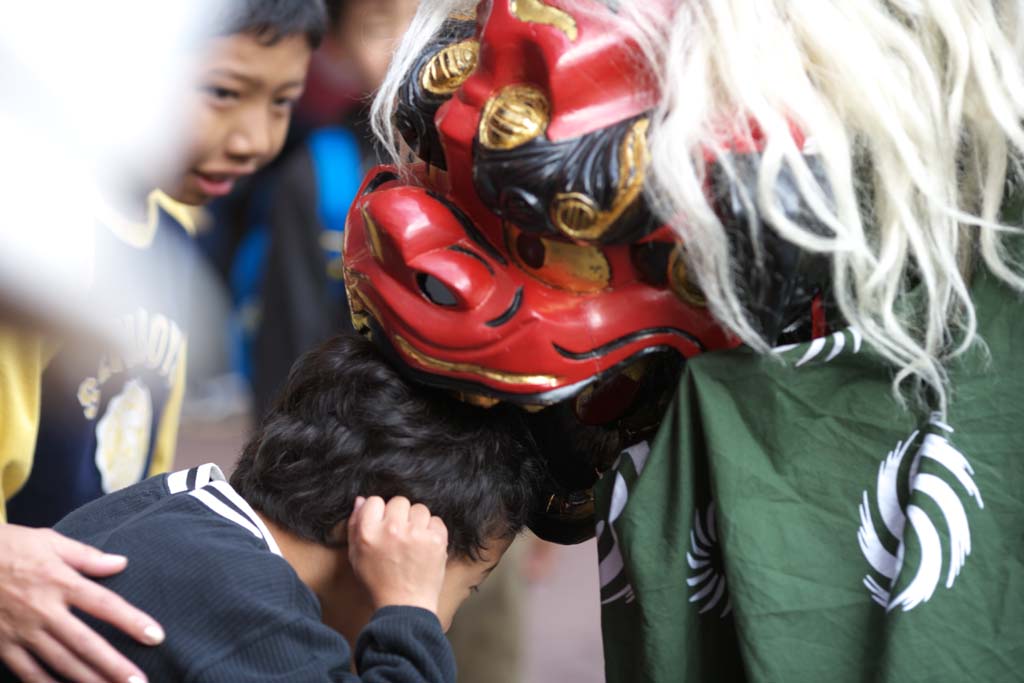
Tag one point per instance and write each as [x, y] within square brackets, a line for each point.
[40, 581]
[399, 551]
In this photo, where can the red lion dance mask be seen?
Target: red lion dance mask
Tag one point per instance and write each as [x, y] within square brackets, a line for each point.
[520, 262]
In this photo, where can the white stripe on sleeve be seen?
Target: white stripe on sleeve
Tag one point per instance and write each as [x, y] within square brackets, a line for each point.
[177, 481]
[207, 473]
[223, 510]
[242, 505]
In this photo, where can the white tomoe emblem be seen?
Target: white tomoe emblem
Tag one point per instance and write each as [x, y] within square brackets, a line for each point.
[612, 568]
[707, 580]
[937, 448]
[849, 340]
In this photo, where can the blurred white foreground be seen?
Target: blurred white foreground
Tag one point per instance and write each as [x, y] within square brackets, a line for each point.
[92, 94]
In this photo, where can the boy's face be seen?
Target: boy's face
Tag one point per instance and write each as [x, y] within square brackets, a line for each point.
[464, 575]
[241, 113]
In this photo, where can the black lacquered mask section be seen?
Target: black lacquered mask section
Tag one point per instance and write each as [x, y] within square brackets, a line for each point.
[778, 279]
[588, 188]
[438, 72]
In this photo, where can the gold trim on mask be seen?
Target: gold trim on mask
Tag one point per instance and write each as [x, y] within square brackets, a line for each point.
[449, 68]
[373, 232]
[573, 506]
[486, 373]
[680, 283]
[540, 12]
[578, 216]
[359, 308]
[478, 400]
[514, 116]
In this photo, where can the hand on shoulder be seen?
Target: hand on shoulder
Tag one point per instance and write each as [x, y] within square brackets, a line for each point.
[41, 579]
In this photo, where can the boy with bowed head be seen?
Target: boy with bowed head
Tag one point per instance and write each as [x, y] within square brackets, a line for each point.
[361, 514]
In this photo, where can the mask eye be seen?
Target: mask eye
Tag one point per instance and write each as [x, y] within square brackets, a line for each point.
[435, 290]
[651, 261]
[560, 264]
[530, 250]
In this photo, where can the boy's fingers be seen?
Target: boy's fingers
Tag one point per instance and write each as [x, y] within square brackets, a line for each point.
[358, 504]
[371, 512]
[95, 651]
[24, 666]
[85, 558]
[419, 516]
[110, 607]
[397, 511]
[440, 531]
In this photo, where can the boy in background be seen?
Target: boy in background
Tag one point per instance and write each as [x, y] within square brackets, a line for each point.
[361, 514]
[76, 423]
[302, 294]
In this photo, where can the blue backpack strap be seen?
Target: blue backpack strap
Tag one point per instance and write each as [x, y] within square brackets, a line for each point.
[338, 169]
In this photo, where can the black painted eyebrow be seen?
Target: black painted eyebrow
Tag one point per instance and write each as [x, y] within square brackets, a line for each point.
[469, 227]
[469, 252]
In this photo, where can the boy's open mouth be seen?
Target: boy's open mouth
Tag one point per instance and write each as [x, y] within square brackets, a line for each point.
[215, 184]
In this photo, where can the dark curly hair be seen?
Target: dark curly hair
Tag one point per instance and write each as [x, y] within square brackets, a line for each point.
[348, 424]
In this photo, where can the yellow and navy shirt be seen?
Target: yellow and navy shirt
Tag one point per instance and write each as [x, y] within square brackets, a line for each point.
[78, 422]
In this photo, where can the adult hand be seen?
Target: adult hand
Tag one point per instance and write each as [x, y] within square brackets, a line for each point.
[40, 581]
[398, 551]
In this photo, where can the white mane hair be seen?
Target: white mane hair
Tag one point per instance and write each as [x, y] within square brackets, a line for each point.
[913, 107]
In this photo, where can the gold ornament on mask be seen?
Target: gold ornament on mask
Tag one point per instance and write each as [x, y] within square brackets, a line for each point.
[578, 215]
[449, 68]
[540, 12]
[514, 116]
[680, 282]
